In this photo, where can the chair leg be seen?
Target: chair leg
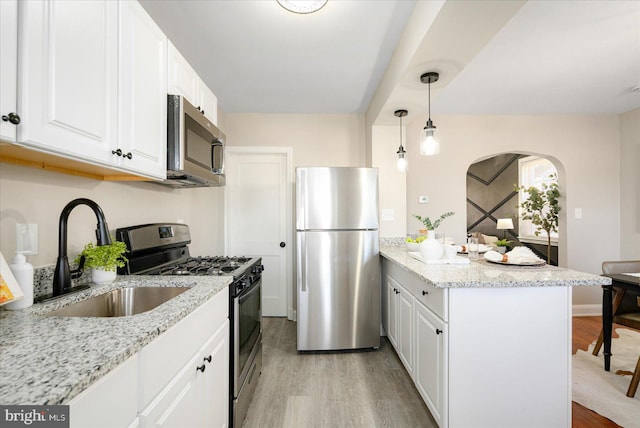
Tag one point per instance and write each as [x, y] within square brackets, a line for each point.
[635, 380]
[617, 299]
[596, 349]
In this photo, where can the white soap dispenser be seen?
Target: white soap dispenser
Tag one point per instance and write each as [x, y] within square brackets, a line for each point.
[23, 271]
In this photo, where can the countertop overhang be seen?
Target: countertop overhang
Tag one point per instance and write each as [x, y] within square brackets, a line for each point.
[50, 360]
[481, 273]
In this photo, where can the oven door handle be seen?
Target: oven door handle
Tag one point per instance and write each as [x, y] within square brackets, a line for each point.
[249, 291]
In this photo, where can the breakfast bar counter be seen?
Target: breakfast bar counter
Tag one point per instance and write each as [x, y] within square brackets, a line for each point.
[486, 344]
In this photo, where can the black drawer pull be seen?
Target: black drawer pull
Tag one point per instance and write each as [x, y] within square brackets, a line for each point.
[201, 368]
[207, 359]
[438, 331]
[424, 293]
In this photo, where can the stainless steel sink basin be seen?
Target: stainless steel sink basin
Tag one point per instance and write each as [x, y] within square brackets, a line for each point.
[120, 303]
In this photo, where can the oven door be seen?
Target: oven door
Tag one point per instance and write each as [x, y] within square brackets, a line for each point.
[247, 329]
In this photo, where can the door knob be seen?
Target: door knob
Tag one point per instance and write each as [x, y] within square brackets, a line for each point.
[12, 118]
[282, 245]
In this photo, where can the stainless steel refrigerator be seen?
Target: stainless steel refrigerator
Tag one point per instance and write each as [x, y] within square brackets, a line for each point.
[338, 266]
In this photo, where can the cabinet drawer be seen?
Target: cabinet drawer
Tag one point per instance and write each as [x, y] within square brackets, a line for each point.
[433, 298]
[163, 358]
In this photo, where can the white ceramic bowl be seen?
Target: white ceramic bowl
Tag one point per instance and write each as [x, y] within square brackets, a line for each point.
[413, 246]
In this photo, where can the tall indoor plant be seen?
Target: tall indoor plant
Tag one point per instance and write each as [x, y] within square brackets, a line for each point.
[542, 208]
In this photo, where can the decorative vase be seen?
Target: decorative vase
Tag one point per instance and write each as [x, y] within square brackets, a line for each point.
[502, 250]
[430, 248]
[101, 276]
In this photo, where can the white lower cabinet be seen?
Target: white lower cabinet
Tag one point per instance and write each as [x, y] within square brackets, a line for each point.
[181, 379]
[198, 395]
[483, 356]
[110, 402]
[431, 361]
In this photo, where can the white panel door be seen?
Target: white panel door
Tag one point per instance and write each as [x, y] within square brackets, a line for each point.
[258, 220]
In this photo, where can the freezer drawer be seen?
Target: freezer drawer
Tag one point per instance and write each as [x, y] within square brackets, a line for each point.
[338, 280]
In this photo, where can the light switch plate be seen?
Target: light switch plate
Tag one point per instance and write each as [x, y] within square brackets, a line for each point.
[577, 213]
[27, 238]
[387, 214]
[423, 199]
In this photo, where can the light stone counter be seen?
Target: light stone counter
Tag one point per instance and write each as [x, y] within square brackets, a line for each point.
[50, 360]
[481, 273]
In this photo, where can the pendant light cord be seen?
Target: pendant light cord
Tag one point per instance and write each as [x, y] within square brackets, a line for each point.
[400, 131]
[429, 100]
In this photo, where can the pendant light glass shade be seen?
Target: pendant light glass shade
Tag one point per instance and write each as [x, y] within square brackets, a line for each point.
[302, 6]
[429, 145]
[402, 160]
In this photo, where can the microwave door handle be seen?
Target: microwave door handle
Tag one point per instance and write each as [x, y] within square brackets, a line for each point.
[214, 169]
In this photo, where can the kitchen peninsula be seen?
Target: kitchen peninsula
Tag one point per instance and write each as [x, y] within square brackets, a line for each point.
[486, 344]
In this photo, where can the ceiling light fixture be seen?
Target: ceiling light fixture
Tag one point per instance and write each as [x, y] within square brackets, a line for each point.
[402, 161]
[302, 6]
[428, 144]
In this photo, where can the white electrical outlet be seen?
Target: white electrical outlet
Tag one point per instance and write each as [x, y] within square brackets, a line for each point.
[423, 199]
[577, 213]
[387, 214]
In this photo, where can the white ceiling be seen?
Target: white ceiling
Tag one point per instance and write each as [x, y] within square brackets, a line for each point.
[551, 57]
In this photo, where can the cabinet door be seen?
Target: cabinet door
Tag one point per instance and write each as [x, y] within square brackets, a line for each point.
[392, 320]
[214, 385]
[208, 102]
[67, 77]
[143, 98]
[183, 79]
[404, 310]
[8, 66]
[431, 362]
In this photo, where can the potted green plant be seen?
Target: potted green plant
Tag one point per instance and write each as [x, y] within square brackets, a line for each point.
[502, 245]
[429, 225]
[542, 208]
[103, 260]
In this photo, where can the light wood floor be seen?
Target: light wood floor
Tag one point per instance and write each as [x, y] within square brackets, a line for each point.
[361, 389]
[354, 389]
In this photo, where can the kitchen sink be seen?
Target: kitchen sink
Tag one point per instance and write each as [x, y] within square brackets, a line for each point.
[120, 303]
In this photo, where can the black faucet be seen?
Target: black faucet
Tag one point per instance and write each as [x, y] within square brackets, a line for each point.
[63, 274]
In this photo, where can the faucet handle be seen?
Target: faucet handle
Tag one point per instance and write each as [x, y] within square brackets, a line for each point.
[77, 272]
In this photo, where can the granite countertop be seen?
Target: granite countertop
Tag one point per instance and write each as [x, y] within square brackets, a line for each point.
[50, 360]
[481, 273]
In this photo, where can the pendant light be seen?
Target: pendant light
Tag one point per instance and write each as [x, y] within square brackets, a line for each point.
[402, 161]
[428, 143]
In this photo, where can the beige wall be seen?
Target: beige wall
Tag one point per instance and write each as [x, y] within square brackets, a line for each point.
[630, 185]
[317, 140]
[393, 183]
[585, 149]
[30, 195]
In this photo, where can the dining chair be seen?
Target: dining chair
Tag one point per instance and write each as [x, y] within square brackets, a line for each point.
[626, 310]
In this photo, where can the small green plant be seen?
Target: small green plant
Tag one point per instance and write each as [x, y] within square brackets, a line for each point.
[542, 208]
[107, 257]
[502, 243]
[433, 225]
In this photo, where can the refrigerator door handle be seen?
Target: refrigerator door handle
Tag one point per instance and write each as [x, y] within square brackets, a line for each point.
[302, 253]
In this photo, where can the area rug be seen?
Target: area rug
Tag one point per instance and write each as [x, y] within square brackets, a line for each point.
[605, 392]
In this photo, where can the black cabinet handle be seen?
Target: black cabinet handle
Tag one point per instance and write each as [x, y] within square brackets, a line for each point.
[201, 368]
[116, 152]
[128, 155]
[424, 293]
[438, 331]
[396, 291]
[11, 117]
[282, 245]
[207, 359]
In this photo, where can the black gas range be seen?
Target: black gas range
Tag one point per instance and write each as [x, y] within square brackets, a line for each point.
[162, 249]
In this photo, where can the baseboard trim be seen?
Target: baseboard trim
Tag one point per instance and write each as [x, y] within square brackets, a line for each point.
[586, 310]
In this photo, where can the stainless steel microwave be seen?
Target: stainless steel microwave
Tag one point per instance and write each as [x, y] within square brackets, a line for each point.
[195, 147]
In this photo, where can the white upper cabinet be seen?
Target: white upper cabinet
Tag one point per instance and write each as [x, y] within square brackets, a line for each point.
[142, 106]
[183, 80]
[8, 68]
[67, 79]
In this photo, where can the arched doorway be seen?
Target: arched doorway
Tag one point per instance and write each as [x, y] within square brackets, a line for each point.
[492, 195]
